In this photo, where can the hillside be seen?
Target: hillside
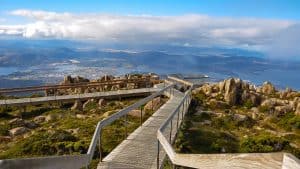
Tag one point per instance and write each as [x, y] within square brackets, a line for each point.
[233, 116]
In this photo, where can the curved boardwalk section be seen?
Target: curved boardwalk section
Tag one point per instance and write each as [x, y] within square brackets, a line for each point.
[139, 150]
[85, 96]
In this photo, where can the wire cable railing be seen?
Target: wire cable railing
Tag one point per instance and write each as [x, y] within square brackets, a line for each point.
[83, 160]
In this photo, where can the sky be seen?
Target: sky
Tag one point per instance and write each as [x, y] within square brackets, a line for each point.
[270, 26]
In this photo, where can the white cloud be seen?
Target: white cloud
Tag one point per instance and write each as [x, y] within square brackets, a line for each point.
[201, 30]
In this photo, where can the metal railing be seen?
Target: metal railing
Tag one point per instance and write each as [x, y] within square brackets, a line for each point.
[74, 85]
[219, 161]
[72, 97]
[79, 161]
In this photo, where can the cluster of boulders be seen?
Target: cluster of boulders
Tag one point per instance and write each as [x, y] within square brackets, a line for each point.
[20, 126]
[73, 80]
[234, 91]
[79, 105]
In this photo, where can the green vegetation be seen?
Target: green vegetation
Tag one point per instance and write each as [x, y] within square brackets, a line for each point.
[232, 130]
[65, 131]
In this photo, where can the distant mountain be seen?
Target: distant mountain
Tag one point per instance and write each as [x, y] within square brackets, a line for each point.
[44, 56]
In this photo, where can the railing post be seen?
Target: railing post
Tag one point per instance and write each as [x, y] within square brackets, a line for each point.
[157, 159]
[100, 146]
[152, 105]
[177, 124]
[141, 118]
[182, 111]
[125, 126]
[171, 131]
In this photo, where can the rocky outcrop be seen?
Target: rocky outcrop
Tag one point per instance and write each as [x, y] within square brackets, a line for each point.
[267, 88]
[237, 92]
[232, 88]
[283, 109]
[70, 80]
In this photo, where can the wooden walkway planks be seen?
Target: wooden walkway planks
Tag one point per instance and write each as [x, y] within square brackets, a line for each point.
[109, 94]
[139, 150]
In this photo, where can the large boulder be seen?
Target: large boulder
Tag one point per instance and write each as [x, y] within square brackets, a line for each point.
[39, 119]
[77, 105]
[31, 125]
[4, 139]
[297, 112]
[231, 91]
[18, 131]
[17, 122]
[101, 102]
[268, 88]
[283, 109]
[240, 117]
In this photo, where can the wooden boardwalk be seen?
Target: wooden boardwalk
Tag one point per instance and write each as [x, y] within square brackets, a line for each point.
[85, 96]
[139, 150]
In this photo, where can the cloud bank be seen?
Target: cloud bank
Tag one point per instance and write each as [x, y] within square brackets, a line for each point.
[196, 30]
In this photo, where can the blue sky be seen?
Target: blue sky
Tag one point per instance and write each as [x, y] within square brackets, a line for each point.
[269, 26]
[276, 9]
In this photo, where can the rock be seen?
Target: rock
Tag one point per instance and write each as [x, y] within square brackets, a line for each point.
[101, 102]
[90, 101]
[217, 104]
[240, 117]
[18, 131]
[73, 131]
[31, 125]
[268, 88]
[222, 86]
[254, 112]
[106, 78]
[283, 109]
[231, 90]
[268, 103]
[39, 119]
[206, 122]
[156, 104]
[297, 112]
[207, 89]
[136, 113]
[69, 80]
[77, 105]
[81, 116]
[255, 98]
[4, 139]
[79, 79]
[50, 117]
[272, 102]
[17, 122]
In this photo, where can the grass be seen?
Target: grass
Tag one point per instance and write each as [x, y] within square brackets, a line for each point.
[229, 135]
[56, 138]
